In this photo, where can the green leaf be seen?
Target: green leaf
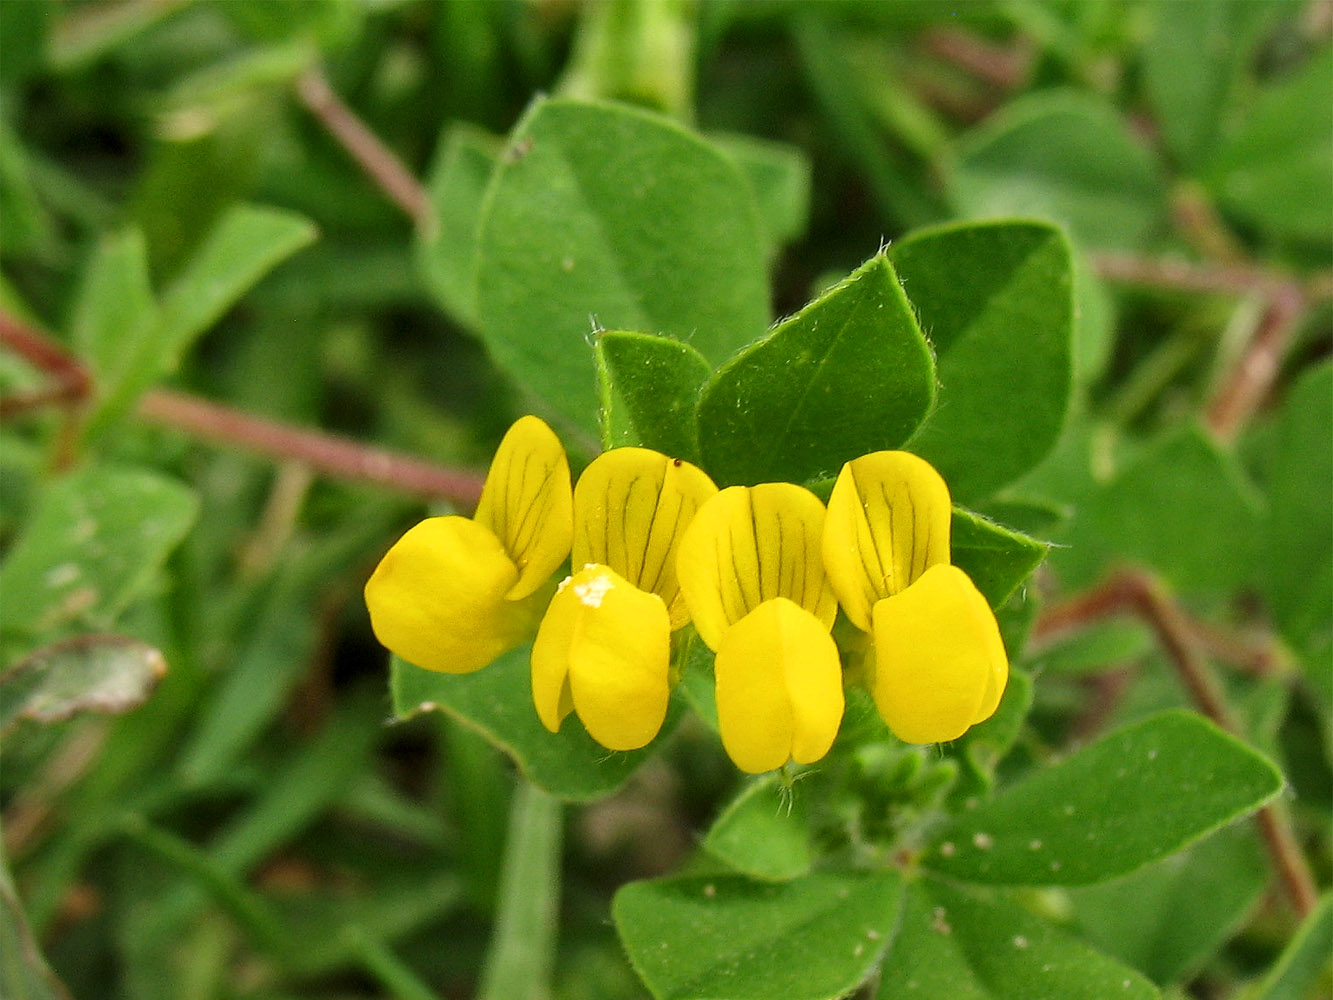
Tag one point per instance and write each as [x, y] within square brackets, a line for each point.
[1135, 796]
[115, 314]
[1181, 488]
[764, 832]
[847, 375]
[706, 938]
[605, 216]
[446, 250]
[497, 701]
[1297, 548]
[997, 559]
[996, 301]
[110, 674]
[1191, 57]
[1067, 157]
[246, 244]
[650, 386]
[1273, 172]
[953, 945]
[95, 540]
[1304, 963]
[1168, 919]
[780, 177]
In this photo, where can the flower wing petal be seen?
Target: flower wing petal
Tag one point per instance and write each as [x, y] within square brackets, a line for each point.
[631, 506]
[527, 503]
[747, 545]
[550, 659]
[940, 664]
[437, 598]
[888, 522]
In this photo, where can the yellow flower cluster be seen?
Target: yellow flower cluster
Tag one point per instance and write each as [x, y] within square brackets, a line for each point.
[760, 571]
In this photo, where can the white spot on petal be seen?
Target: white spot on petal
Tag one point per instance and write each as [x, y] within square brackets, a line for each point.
[591, 592]
[983, 841]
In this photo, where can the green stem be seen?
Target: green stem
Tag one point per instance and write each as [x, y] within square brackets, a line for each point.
[522, 950]
[397, 979]
[245, 907]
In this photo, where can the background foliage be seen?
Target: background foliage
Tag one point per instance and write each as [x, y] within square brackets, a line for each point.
[224, 225]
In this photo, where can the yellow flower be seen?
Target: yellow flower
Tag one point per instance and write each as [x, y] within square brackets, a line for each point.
[454, 593]
[604, 647]
[939, 664]
[751, 572]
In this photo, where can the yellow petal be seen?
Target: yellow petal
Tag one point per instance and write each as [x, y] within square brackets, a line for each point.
[940, 665]
[609, 645]
[631, 506]
[527, 503]
[888, 522]
[437, 598]
[779, 688]
[748, 545]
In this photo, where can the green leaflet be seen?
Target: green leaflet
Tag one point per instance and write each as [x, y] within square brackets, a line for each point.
[997, 560]
[709, 937]
[1137, 795]
[96, 539]
[996, 301]
[847, 375]
[497, 701]
[1273, 171]
[650, 386]
[1180, 488]
[764, 831]
[602, 216]
[951, 944]
[1064, 156]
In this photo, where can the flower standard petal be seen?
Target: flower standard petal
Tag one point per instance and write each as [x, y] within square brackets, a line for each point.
[437, 598]
[779, 688]
[747, 545]
[604, 649]
[888, 522]
[631, 506]
[527, 503]
[940, 664]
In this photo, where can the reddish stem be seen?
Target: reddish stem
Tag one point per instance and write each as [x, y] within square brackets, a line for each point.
[378, 161]
[1253, 376]
[329, 454]
[335, 456]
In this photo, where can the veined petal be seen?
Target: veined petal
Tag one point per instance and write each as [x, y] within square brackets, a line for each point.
[940, 665]
[888, 522]
[527, 503]
[437, 598]
[604, 648]
[631, 506]
[779, 688]
[748, 545]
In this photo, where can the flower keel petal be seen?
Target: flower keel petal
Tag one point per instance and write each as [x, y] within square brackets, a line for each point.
[940, 664]
[608, 644]
[779, 688]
